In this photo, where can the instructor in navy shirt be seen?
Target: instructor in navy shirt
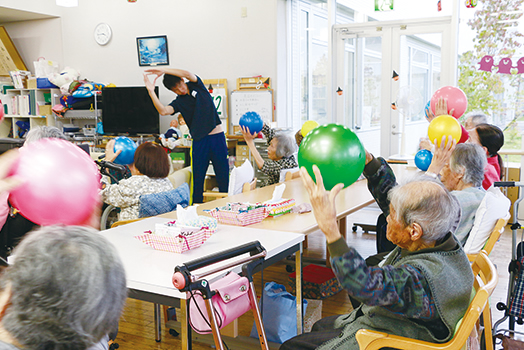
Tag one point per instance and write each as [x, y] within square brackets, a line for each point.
[198, 109]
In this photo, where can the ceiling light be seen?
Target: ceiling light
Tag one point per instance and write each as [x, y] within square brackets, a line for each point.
[67, 3]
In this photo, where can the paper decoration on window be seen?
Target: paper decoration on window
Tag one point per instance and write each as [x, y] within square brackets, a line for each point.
[340, 91]
[486, 63]
[504, 65]
[395, 76]
[383, 5]
[471, 3]
[520, 65]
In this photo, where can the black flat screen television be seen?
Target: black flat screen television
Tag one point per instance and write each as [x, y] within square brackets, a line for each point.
[129, 110]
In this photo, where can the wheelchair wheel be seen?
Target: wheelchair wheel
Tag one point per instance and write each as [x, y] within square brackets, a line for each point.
[109, 217]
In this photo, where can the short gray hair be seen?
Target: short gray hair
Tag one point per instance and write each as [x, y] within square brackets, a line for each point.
[427, 203]
[470, 160]
[68, 289]
[43, 132]
[477, 117]
[286, 145]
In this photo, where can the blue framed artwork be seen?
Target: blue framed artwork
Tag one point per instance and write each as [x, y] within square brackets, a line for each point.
[152, 51]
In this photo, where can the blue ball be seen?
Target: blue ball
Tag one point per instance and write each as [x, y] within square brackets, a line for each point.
[252, 121]
[428, 107]
[128, 147]
[423, 159]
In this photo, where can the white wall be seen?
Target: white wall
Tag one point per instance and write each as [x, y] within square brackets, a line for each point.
[207, 37]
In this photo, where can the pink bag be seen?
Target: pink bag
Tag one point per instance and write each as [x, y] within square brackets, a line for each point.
[230, 302]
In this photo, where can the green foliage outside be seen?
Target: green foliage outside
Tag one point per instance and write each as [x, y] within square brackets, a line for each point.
[497, 95]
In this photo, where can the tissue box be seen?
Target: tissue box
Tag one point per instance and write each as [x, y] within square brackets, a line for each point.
[318, 282]
[282, 207]
[239, 214]
[171, 237]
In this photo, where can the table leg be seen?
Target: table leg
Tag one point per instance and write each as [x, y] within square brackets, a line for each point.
[158, 323]
[342, 226]
[298, 269]
[185, 332]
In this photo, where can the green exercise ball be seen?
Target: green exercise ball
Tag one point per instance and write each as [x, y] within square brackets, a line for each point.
[337, 152]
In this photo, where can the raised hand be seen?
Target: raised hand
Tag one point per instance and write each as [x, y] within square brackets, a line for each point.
[323, 203]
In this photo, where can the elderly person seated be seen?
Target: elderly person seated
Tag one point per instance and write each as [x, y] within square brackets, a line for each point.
[460, 168]
[65, 290]
[405, 296]
[472, 119]
[280, 153]
[149, 175]
[491, 139]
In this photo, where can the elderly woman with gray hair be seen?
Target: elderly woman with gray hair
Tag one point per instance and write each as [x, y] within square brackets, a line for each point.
[64, 291]
[461, 169]
[280, 152]
[404, 296]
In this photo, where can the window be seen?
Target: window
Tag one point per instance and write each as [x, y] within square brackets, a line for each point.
[309, 56]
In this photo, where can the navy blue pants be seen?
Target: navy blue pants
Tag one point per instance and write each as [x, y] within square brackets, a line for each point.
[211, 148]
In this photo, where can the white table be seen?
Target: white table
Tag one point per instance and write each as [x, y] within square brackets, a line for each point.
[149, 271]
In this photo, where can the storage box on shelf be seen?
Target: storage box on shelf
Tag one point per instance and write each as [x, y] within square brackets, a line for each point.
[27, 105]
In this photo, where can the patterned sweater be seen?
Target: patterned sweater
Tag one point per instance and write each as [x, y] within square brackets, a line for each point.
[126, 194]
[272, 168]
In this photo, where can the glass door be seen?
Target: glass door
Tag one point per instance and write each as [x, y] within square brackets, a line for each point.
[387, 72]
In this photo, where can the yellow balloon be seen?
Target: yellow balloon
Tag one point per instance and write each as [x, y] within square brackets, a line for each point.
[444, 125]
[307, 127]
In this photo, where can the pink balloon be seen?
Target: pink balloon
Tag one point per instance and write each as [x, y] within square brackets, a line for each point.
[61, 183]
[455, 97]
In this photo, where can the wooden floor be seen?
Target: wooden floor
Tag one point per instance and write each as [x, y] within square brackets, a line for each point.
[137, 327]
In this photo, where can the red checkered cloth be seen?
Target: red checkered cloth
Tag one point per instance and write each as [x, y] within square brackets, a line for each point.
[239, 217]
[179, 244]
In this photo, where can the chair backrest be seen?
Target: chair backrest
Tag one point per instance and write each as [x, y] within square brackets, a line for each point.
[493, 207]
[290, 175]
[249, 186]
[486, 279]
[124, 222]
[493, 237]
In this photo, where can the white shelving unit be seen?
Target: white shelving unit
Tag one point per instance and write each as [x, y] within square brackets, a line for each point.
[37, 113]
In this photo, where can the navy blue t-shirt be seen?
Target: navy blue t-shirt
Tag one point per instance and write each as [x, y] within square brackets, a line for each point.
[198, 110]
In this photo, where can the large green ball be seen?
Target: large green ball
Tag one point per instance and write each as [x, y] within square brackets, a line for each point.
[337, 152]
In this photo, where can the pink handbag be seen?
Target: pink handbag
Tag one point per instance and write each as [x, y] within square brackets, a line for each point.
[230, 302]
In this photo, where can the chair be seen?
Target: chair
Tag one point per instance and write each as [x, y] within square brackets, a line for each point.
[486, 279]
[290, 175]
[246, 187]
[493, 237]
[124, 222]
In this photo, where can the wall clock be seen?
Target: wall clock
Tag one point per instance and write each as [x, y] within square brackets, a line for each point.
[102, 33]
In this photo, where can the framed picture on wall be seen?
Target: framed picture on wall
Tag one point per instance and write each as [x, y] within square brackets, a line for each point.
[152, 50]
[10, 59]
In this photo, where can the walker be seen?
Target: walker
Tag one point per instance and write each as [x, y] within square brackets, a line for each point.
[513, 308]
[189, 283]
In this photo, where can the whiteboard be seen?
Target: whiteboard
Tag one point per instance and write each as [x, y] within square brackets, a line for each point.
[260, 101]
[219, 98]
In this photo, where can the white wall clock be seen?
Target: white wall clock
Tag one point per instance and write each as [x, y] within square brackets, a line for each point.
[102, 33]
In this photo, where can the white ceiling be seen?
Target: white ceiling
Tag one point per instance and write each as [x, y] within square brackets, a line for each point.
[9, 15]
